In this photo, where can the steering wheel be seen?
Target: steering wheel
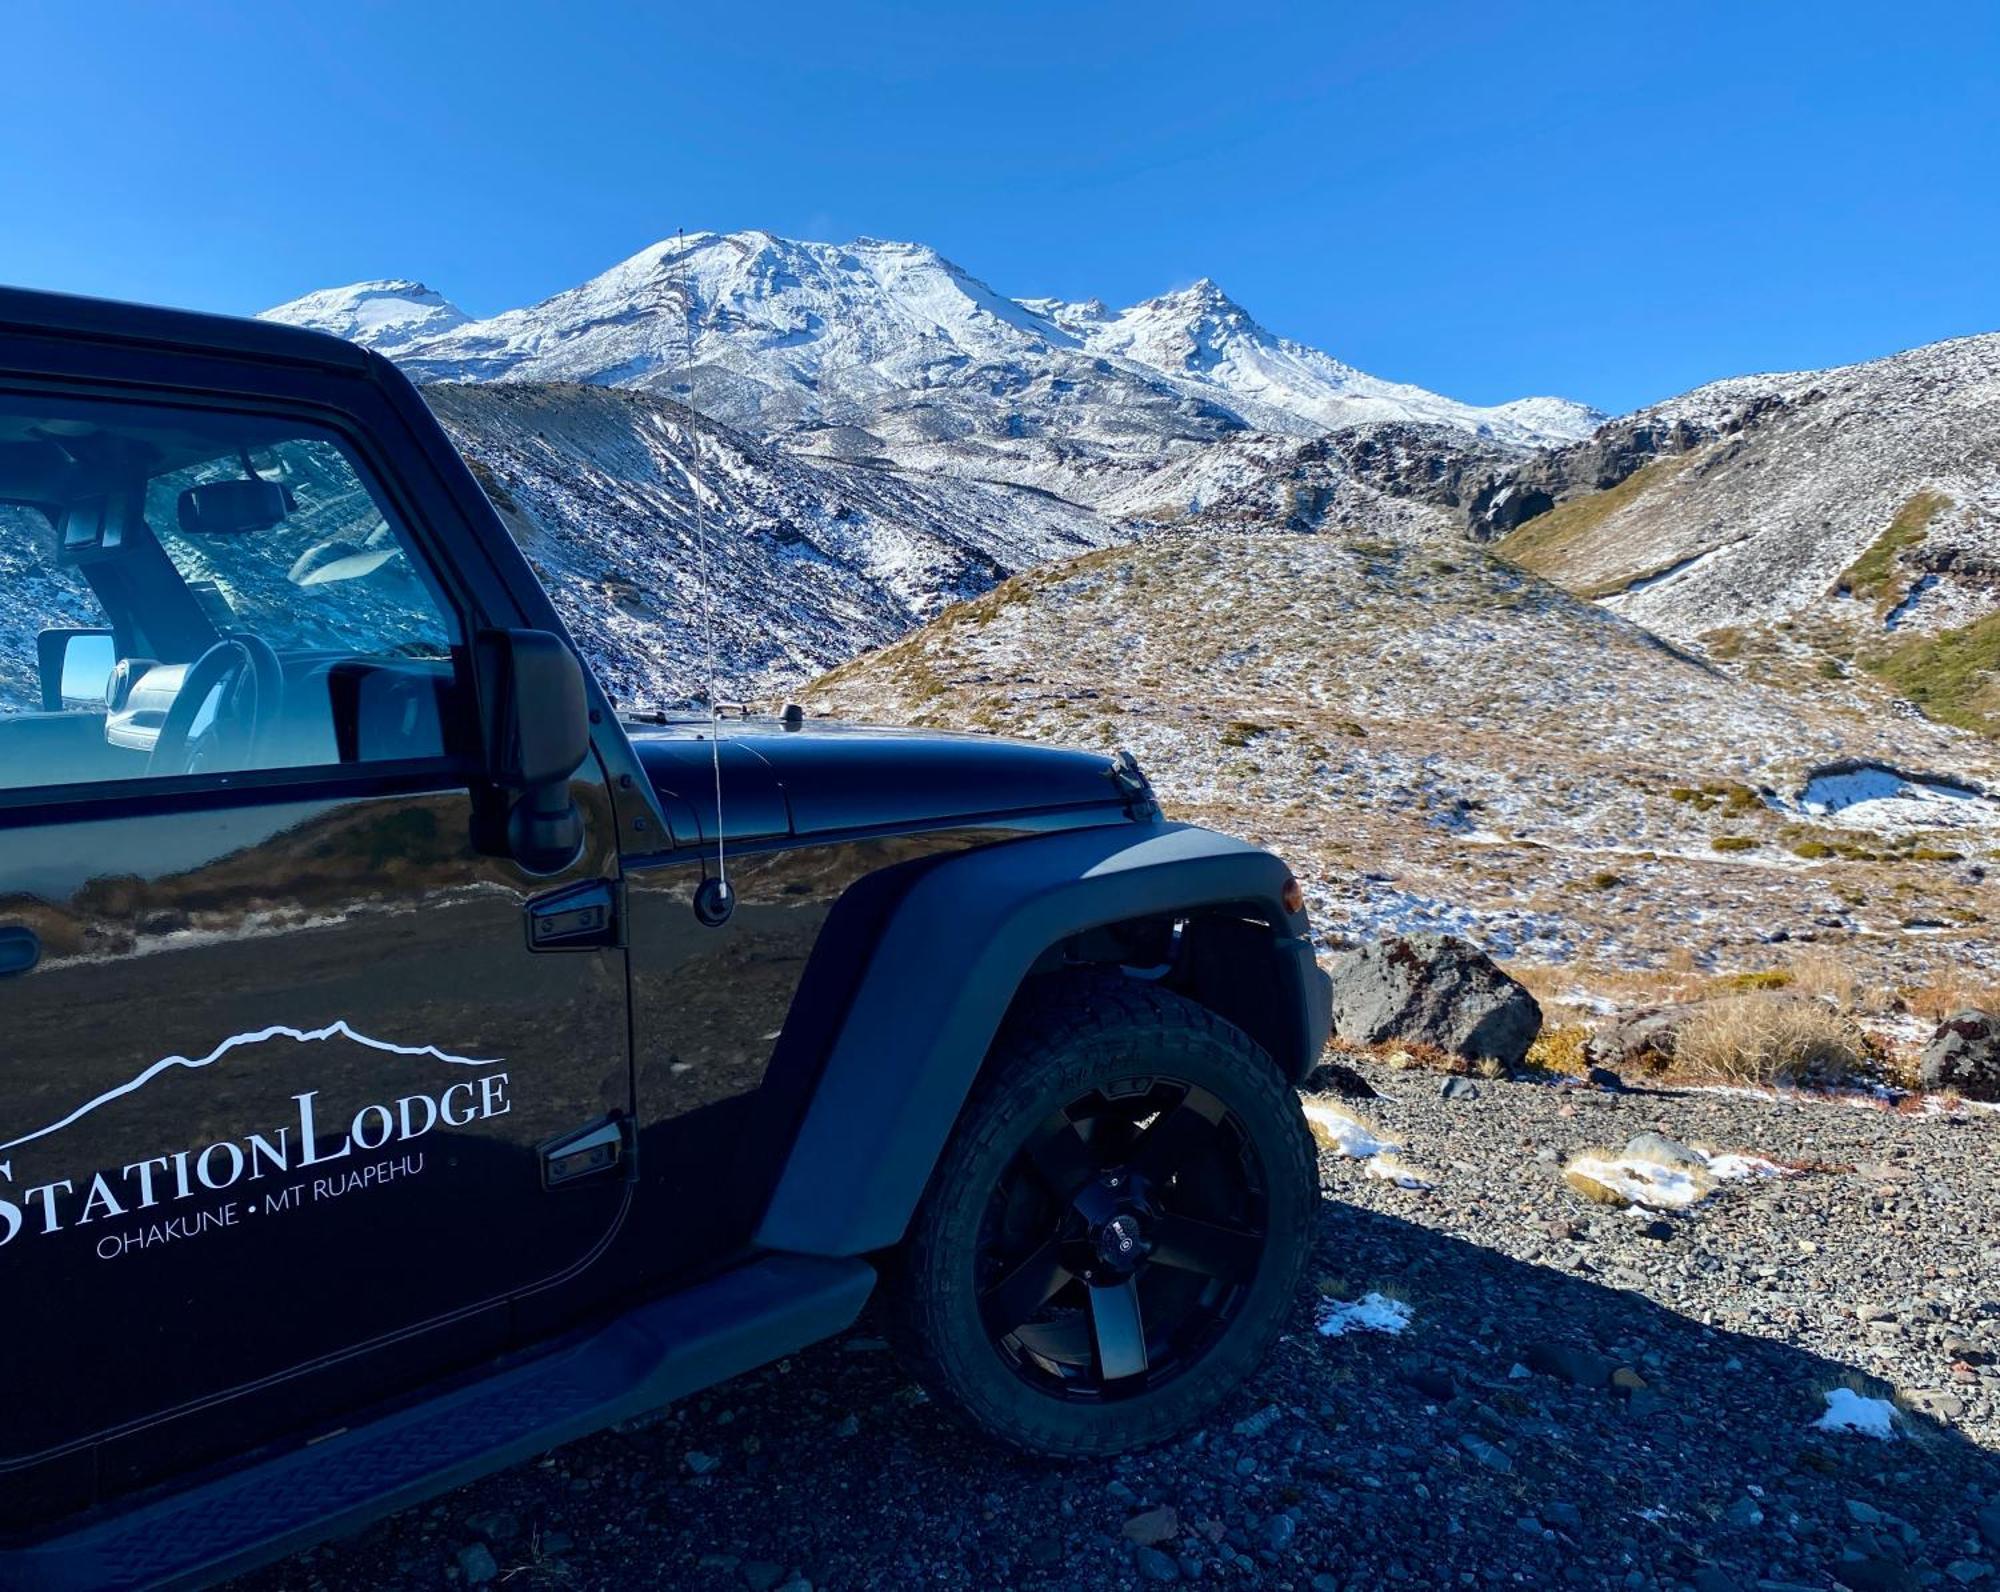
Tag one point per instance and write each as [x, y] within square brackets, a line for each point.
[242, 677]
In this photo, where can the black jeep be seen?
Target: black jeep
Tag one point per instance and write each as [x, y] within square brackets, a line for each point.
[406, 1066]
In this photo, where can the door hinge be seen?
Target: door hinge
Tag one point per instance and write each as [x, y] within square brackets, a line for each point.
[583, 917]
[589, 1152]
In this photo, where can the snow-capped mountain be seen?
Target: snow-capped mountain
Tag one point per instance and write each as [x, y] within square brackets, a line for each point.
[768, 331]
[893, 339]
[388, 315]
[1867, 496]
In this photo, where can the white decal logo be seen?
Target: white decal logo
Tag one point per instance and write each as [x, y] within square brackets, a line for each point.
[305, 1036]
[225, 1168]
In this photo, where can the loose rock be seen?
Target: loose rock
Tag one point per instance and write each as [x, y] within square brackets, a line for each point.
[1154, 1526]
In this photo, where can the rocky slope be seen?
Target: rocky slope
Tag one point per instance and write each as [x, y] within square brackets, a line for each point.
[1853, 511]
[1438, 739]
[1402, 471]
[809, 561]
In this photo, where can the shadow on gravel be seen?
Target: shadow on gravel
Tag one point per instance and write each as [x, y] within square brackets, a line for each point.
[1500, 1440]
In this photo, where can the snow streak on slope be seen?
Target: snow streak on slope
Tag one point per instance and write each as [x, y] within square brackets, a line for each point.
[811, 562]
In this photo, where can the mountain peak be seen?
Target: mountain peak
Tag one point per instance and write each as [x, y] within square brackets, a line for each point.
[1204, 293]
[387, 314]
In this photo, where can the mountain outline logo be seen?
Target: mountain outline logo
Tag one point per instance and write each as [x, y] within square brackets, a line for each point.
[340, 1028]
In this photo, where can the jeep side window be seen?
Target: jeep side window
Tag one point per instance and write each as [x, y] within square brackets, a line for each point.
[192, 592]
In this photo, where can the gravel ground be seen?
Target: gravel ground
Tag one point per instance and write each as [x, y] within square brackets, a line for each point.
[1581, 1397]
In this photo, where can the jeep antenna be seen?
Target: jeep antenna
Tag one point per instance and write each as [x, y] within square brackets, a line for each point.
[714, 901]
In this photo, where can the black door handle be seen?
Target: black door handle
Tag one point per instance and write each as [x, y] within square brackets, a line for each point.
[20, 950]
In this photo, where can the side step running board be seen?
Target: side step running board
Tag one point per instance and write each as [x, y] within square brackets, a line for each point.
[665, 1350]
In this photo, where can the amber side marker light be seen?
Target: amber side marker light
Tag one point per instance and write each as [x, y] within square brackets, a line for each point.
[1291, 897]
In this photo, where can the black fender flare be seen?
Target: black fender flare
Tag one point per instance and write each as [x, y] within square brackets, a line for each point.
[949, 962]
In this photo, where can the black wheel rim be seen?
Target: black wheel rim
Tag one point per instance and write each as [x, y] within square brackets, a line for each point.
[1122, 1239]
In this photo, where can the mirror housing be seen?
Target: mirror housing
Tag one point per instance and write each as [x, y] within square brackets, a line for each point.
[537, 735]
[75, 666]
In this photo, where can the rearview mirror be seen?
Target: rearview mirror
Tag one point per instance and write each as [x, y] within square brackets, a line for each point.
[76, 667]
[537, 736]
[234, 508]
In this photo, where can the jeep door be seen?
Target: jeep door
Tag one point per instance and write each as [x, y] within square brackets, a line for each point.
[278, 1063]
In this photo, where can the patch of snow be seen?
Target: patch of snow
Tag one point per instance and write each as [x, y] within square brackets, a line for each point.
[1394, 1169]
[1372, 1312]
[1849, 1411]
[1344, 1135]
[1874, 796]
[1641, 1182]
[1653, 1185]
[1736, 1167]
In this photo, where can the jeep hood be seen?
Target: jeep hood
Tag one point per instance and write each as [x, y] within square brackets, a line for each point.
[825, 778]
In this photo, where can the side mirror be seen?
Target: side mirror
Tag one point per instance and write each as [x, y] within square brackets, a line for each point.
[537, 736]
[76, 667]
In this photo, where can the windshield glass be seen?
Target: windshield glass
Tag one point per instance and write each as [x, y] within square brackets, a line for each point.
[331, 574]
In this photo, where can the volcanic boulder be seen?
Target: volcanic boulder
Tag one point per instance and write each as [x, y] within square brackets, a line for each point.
[1964, 1056]
[1433, 989]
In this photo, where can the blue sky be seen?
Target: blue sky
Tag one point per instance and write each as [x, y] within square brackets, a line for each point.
[1611, 202]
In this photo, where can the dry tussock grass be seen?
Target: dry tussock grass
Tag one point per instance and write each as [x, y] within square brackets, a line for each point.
[1818, 973]
[1560, 1050]
[1558, 986]
[1404, 1055]
[1765, 1038]
[1950, 991]
[1827, 976]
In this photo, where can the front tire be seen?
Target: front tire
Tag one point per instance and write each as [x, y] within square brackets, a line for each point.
[1117, 1228]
